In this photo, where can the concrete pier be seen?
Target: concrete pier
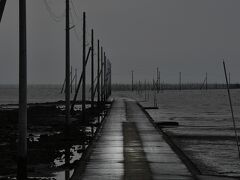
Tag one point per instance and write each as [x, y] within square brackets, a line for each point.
[129, 147]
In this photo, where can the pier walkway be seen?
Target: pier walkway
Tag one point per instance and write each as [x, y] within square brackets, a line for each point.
[129, 147]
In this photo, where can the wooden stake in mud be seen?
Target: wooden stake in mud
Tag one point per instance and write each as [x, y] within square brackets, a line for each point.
[132, 80]
[230, 103]
[206, 81]
[22, 139]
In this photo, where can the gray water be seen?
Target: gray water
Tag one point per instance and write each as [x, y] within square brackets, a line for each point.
[36, 93]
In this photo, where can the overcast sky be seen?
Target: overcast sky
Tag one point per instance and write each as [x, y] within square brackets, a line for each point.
[191, 36]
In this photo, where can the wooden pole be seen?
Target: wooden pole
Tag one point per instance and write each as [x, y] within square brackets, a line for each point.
[98, 72]
[230, 103]
[180, 81]
[132, 80]
[71, 79]
[22, 139]
[76, 80]
[79, 83]
[206, 80]
[104, 79]
[102, 74]
[84, 68]
[92, 70]
[67, 67]
[157, 83]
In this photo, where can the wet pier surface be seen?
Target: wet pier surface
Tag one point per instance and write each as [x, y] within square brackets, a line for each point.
[129, 147]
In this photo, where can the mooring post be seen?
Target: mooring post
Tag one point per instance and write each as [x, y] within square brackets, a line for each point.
[84, 68]
[98, 73]
[22, 124]
[92, 70]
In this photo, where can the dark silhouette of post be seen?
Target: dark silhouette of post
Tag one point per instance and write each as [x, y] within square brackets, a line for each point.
[232, 113]
[75, 87]
[79, 83]
[157, 81]
[92, 69]
[180, 81]
[102, 74]
[67, 67]
[84, 68]
[104, 78]
[132, 80]
[22, 121]
[229, 79]
[2, 6]
[206, 80]
[98, 73]
[71, 79]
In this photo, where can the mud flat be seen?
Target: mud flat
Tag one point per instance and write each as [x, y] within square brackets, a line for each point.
[50, 150]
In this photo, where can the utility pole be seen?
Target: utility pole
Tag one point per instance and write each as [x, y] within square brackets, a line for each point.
[92, 70]
[67, 68]
[22, 125]
[84, 68]
[98, 73]
[132, 80]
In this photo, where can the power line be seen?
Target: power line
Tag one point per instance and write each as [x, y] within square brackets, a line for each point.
[55, 17]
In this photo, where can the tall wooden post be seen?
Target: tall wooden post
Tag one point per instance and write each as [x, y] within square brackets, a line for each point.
[67, 67]
[84, 68]
[22, 149]
[98, 73]
[101, 74]
[104, 79]
[92, 69]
